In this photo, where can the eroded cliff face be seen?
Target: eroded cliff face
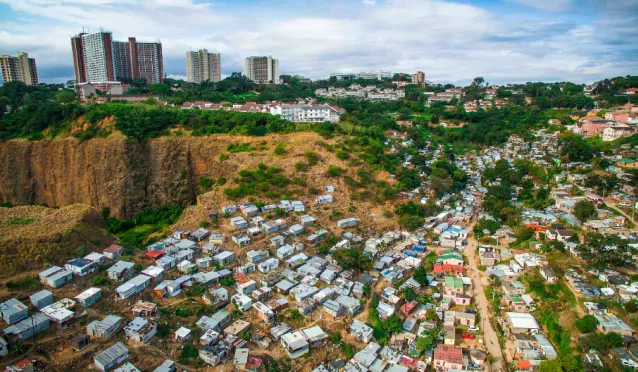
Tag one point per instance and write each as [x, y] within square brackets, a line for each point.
[123, 175]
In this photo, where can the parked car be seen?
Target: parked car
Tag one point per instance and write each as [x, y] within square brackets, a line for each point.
[473, 329]
[468, 336]
[470, 311]
[474, 367]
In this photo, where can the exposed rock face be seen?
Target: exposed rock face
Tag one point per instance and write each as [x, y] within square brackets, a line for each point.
[113, 172]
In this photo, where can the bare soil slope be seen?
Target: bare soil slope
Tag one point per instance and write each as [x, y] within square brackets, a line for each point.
[33, 236]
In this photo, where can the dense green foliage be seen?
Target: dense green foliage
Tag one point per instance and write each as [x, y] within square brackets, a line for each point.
[584, 209]
[601, 342]
[602, 251]
[352, 258]
[587, 324]
[134, 232]
[265, 180]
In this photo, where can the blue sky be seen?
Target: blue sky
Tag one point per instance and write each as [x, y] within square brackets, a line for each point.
[451, 41]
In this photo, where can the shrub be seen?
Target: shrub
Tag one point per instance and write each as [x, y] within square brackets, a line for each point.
[311, 157]
[227, 281]
[188, 352]
[238, 147]
[205, 183]
[342, 154]
[99, 280]
[280, 149]
[334, 171]
[183, 313]
[223, 157]
[80, 251]
[301, 167]
[220, 181]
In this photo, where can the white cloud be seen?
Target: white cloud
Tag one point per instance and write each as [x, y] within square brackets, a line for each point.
[546, 5]
[369, 2]
[450, 42]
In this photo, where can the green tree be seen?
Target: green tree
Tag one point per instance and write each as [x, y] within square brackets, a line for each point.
[393, 324]
[430, 314]
[424, 342]
[584, 209]
[587, 324]
[408, 293]
[65, 96]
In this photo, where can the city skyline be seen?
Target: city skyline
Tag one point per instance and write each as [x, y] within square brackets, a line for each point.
[451, 41]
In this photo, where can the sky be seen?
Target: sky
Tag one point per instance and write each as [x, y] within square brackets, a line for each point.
[504, 41]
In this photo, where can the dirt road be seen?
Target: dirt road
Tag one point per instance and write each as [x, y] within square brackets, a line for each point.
[489, 335]
[612, 203]
[482, 305]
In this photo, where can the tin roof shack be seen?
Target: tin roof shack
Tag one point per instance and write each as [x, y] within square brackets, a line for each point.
[182, 334]
[113, 252]
[166, 366]
[307, 220]
[121, 270]
[97, 258]
[224, 258]
[256, 255]
[521, 323]
[361, 331]
[264, 312]
[26, 328]
[217, 353]
[41, 299]
[81, 266]
[200, 234]
[351, 304]
[108, 359]
[133, 286]
[166, 262]
[609, 323]
[155, 273]
[242, 302]
[104, 328]
[216, 296]
[140, 330]
[316, 237]
[216, 322]
[89, 297]
[295, 344]
[144, 309]
[347, 222]
[238, 328]
[60, 312]
[55, 277]
[13, 311]
[315, 336]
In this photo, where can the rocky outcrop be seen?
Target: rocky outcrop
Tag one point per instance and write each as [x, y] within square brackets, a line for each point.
[123, 175]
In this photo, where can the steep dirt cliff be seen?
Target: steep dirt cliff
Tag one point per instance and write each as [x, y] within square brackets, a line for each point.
[123, 175]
